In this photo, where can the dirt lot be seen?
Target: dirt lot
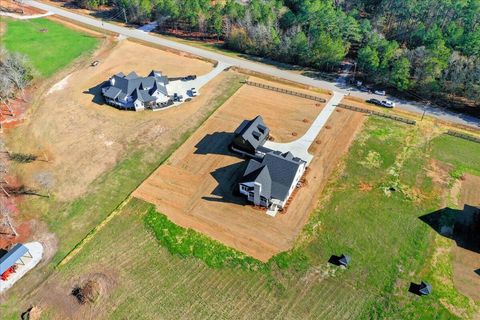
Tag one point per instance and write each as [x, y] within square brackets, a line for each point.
[81, 138]
[194, 189]
[466, 264]
[12, 5]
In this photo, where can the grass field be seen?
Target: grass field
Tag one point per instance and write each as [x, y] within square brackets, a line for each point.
[462, 155]
[50, 46]
[359, 214]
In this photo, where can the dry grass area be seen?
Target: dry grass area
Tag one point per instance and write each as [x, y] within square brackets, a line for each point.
[467, 261]
[81, 137]
[195, 187]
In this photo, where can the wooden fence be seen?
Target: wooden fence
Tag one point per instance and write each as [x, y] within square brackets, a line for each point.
[463, 136]
[380, 114]
[286, 91]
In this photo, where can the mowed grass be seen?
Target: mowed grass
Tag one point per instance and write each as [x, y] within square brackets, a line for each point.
[49, 46]
[378, 227]
[461, 154]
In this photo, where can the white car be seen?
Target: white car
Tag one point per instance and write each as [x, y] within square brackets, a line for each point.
[388, 103]
[380, 92]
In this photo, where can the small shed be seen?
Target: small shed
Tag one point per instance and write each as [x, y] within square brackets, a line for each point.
[344, 260]
[425, 288]
[13, 256]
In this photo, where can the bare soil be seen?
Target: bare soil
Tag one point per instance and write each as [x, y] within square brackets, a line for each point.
[80, 138]
[58, 292]
[283, 112]
[13, 5]
[195, 187]
[466, 263]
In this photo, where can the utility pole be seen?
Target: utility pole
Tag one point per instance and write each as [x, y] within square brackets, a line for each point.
[424, 110]
[354, 70]
[125, 15]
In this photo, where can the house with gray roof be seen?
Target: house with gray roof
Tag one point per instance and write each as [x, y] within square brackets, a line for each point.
[270, 182]
[250, 136]
[136, 93]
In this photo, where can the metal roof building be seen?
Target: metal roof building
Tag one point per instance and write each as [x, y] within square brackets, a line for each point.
[12, 256]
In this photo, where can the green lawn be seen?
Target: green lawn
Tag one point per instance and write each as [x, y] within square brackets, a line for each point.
[461, 154]
[50, 46]
[379, 228]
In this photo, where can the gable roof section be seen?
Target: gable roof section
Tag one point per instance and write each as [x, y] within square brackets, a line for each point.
[275, 173]
[253, 131]
[112, 92]
[137, 87]
[283, 169]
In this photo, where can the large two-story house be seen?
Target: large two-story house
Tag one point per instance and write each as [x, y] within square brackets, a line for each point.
[271, 176]
[271, 181]
[136, 93]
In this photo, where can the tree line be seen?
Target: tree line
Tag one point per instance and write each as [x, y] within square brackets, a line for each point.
[430, 46]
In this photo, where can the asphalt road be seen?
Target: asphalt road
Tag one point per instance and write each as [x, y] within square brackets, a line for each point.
[338, 86]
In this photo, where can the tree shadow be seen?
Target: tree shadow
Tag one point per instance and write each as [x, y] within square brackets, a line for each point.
[462, 226]
[96, 92]
[216, 143]
[227, 189]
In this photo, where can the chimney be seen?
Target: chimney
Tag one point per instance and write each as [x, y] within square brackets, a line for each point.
[257, 187]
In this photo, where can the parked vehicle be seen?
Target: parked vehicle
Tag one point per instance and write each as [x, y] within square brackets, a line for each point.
[388, 104]
[380, 92]
[95, 63]
[375, 102]
[177, 97]
[364, 89]
[193, 92]
[189, 77]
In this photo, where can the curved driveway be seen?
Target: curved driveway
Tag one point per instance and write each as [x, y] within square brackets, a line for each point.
[257, 67]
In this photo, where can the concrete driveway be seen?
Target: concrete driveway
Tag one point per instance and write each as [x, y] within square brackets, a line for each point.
[184, 87]
[255, 66]
[299, 147]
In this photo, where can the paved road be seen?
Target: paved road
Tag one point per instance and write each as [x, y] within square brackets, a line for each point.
[299, 147]
[258, 67]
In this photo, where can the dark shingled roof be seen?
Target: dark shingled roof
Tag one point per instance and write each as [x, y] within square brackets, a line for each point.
[278, 177]
[254, 131]
[133, 85]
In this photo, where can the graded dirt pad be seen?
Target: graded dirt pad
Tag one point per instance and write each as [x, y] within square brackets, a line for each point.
[195, 187]
[289, 117]
[466, 263]
[81, 137]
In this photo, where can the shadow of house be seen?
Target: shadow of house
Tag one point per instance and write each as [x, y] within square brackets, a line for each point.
[477, 271]
[462, 226]
[227, 188]
[335, 260]
[420, 289]
[216, 143]
[96, 92]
